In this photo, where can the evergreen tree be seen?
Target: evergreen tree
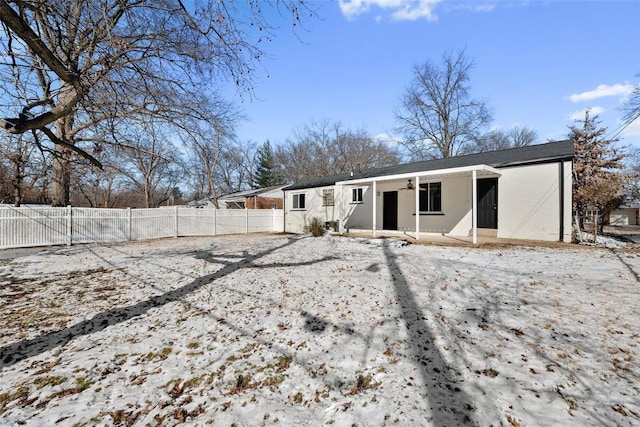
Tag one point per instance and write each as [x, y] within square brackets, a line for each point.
[597, 169]
[265, 172]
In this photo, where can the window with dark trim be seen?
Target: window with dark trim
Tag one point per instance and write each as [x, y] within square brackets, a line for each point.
[431, 197]
[298, 201]
[356, 195]
[327, 197]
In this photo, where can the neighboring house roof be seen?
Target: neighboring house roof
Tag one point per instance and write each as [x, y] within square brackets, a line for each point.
[541, 153]
[240, 196]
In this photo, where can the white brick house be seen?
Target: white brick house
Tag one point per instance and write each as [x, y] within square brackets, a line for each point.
[519, 193]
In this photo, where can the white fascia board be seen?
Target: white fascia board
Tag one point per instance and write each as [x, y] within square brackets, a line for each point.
[488, 170]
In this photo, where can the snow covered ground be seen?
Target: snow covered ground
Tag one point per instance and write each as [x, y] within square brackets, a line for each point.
[293, 330]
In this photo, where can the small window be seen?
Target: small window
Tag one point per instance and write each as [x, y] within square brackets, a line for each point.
[327, 197]
[298, 201]
[356, 195]
[431, 197]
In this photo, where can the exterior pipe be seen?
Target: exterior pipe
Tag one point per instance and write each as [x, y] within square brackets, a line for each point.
[373, 227]
[417, 191]
[284, 211]
[561, 184]
[474, 204]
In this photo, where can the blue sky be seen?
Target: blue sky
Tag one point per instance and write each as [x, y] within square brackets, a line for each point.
[537, 63]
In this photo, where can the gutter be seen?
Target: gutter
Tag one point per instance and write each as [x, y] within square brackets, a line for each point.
[533, 162]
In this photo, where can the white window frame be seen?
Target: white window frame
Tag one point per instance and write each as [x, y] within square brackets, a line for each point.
[354, 195]
[295, 202]
[428, 185]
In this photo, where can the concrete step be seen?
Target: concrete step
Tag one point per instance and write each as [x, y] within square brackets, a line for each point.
[485, 232]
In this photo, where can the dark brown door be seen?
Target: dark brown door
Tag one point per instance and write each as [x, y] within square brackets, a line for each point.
[390, 210]
[488, 203]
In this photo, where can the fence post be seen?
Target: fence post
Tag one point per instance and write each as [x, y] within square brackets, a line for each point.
[215, 222]
[128, 223]
[69, 225]
[273, 220]
[246, 220]
[175, 225]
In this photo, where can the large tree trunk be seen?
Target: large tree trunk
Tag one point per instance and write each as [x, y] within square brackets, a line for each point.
[62, 166]
[17, 185]
[61, 178]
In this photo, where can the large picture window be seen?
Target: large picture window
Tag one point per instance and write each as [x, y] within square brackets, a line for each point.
[356, 195]
[431, 197]
[298, 201]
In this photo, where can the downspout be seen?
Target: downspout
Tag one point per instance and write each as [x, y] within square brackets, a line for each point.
[416, 190]
[374, 212]
[561, 181]
[340, 199]
[284, 211]
[474, 206]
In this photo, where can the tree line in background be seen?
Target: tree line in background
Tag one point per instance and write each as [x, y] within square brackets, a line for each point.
[156, 168]
[112, 107]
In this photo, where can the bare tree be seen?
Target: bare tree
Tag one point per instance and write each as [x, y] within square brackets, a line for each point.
[24, 168]
[99, 188]
[235, 167]
[501, 140]
[17, 152]
[207, 145]
[631, 188]
[522, 136]
[6, 193]
[150, 164]
[631, 108]
[438, 116]
[326, 148]
[203, 163]
[76, 63]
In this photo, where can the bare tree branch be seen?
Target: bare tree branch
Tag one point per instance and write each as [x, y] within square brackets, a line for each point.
[438, 117]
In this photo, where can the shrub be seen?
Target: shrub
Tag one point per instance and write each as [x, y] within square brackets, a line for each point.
[316, 227]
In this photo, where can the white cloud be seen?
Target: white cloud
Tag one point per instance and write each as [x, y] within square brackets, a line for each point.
[593, 111]
[416, 10]
[387, 138]
[484, 7]
[401, 10]
[473, 7]
[602, 91]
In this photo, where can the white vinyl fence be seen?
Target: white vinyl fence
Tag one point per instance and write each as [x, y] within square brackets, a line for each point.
[27, 226]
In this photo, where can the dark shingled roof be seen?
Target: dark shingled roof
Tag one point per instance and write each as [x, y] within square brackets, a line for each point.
[541, 153]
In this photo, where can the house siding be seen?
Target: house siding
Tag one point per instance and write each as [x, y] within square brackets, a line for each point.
[529, 202]
[456, 206]
[358, 215]
[297, 219]
[623, 216]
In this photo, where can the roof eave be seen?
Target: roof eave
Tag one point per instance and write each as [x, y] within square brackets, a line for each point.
[566, 158]
[484, 169]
